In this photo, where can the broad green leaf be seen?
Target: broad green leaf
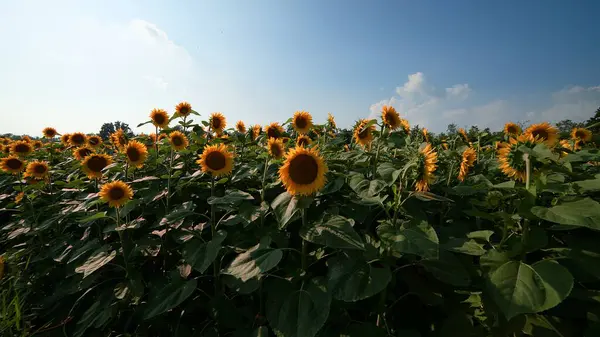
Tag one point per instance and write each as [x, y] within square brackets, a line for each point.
[332, 186]
[298, 312]
[465, 246]
[169, 297]
[254, 262]
[96, 315]
[428, 196]
[200, 255]
[261, 331]
[447, 269]
[335, 232]
[98, 259]
[366, 188]
[506, 184]
[484, 235]
[96, 216]
[580, 213]
[184, 210]
[353, 279]
[591, 185]
[421, 240]
[518, 288]
[231, 197]
[493, 259]
[286, 207]
[241, 287]
[388, 172]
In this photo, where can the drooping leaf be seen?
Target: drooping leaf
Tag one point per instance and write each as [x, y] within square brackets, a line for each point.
[365, 188]
[254, 262]
[447, 269]
[421, 239]
[231, 198]
[286, 207]
[200, 255]
[388, 172]
[581, 213]
[99, 258]
[298, 312]
[352, 279]
[335, 232]
[172, 295]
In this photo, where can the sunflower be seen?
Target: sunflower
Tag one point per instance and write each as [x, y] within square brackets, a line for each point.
[160, 118]
[37, 144]
[119, 139]
[463, 133]
[363, 135]
[94, 141]
[240, 126]
[26, 139]
[93, 164]
[178, 140]
[303, 171]
[217, 160]
[468, 159]
[77, 139]
[162, 136]
[425, 134]
[183, 109]
[274, 130]
[12, 164]
[567, 145]
[390, 117]
[445, 145]
[37, 170]
[405, 125]
[331, 121]
[6, 141]
[543, 133]
[255, 131]
[428, 160]
[510, 157]
[116, 193]
[21, 148]
[6, 149]
[303, 140]
[581, 135]
[512, 129]
[276, 148]
[302, 122]
[136, 153]
[346, 148]
[81, 152]
[65, 138]
[49, 132]
[217, 122]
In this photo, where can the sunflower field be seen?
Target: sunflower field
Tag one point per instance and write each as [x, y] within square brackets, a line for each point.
[299, 229]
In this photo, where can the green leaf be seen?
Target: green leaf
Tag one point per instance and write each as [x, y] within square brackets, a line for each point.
[484, 235]
[506, 184]
[332, 186]
[518, 288]
[336, 232]
[261, 331]
[493, 259]
[231, 197]
[447, 269]
[200, 255]
[298, 312]
[591, 185]
[421, 240]
[366, 189]
[285, 207]
[581, 213]
[96, 315]
[428, 196]
[353, 279]
[169, 297]
[254, 262]
[465, 246]
[98, 259]
[388, 172]
[184, 210]
[95, 216]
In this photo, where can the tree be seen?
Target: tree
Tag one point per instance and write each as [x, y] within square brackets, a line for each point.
[593, 123]
[108, 128]
[565, 126]
[452, 129]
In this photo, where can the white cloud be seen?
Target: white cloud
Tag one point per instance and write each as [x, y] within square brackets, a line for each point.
[423, 104]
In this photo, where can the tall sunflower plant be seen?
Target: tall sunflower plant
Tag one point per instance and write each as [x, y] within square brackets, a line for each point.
[300, 228]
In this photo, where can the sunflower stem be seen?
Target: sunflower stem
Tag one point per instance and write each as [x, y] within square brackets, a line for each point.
[213, 232]
[156, 147]
[120, 232]
[169, 181]
[377, 152]
[450, 173]
[126, 170]
[262, 190]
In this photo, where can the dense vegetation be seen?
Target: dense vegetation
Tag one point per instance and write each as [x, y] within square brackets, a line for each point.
[301, 229]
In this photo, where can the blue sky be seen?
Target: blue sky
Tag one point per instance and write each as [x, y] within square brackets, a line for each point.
[77, 64]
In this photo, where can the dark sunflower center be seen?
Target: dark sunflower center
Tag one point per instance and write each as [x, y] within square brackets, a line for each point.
[580, 134]
[364, 133]
[50, 133]
[37, 145]
[216, 123]
[543, 134]
[301, 122]
[77, 139]
[177, 141]
[303, 169]
[275, 150]
[84, 152]
[273, 133]
[14, 164]
[215, 161]
[303, 141]
[133, 154]
[512, 129]
[159, 119]
[22, 148]
[94, 141]
[39, 169]
[97, 163]
[184, 110]
[116, 193]
[391, 118]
